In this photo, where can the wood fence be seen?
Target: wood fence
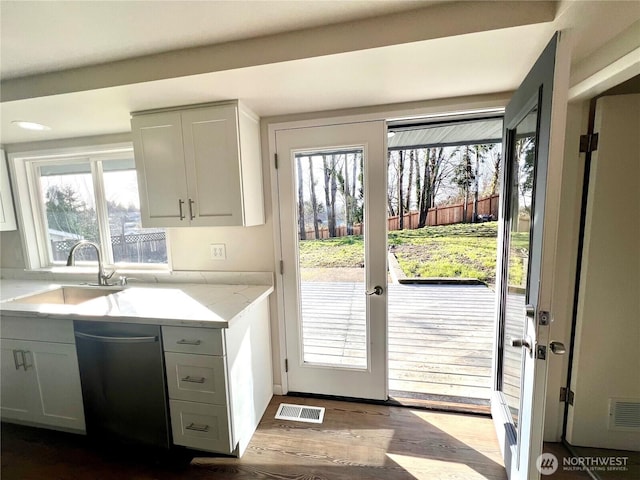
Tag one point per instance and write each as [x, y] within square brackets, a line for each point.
[487, 207]
[148, 247]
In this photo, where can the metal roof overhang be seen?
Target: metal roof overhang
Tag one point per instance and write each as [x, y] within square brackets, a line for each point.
[464, 132]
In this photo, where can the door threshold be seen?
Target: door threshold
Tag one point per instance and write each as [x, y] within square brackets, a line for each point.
[446, 403]
[441, 403]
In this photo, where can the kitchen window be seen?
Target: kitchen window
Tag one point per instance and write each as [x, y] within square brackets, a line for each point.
[90, 197]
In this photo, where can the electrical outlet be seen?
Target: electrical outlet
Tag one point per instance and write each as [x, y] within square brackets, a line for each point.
[218, 251]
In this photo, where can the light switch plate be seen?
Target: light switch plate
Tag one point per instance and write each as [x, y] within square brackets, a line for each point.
[218, 251]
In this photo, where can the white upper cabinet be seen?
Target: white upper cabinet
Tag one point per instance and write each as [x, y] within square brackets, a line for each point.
[199, 166]
[7, 214]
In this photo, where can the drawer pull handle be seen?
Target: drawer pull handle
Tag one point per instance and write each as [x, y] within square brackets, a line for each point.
[191, 379]
[197, 428]
[25, 356]
[18, 354]
[189, 342]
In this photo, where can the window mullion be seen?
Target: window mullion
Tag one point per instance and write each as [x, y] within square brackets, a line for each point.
[101, 212]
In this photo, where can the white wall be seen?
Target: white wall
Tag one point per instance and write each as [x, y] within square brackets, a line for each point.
[607, 362]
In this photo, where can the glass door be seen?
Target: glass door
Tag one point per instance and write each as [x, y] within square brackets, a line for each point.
[333, 230]
[529, 212]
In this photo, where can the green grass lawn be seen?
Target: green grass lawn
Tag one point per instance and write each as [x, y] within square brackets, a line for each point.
[449, 251]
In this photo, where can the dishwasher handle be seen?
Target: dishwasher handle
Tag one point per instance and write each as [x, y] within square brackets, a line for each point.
[103, 339]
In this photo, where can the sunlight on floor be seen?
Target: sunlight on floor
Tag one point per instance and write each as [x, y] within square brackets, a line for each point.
[428, 468]
[484, 445]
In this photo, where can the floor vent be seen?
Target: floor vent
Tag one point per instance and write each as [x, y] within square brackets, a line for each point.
[300, 413]
[624, 414]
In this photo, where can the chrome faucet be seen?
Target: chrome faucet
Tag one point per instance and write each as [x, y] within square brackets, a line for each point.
[71, 261]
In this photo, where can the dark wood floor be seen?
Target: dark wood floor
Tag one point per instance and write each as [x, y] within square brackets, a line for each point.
[356, 441]
[632, 467]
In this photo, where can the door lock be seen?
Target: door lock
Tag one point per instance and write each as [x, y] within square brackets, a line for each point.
[377, 290]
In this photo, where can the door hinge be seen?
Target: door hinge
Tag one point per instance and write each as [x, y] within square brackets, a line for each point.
[566, 395]
[275, 157]
[588, 143]
[286, 365]
[281, 267]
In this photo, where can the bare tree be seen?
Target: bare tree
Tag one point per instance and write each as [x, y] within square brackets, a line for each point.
[314, 200]
[301, 222]
[392, 180]
[330, 189]
[400, 188]
[496, 158]
[412, 156]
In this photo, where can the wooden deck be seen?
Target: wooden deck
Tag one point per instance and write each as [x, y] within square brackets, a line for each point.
[440, 336]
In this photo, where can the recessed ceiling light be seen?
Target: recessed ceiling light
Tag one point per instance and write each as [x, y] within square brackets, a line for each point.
[30, 125]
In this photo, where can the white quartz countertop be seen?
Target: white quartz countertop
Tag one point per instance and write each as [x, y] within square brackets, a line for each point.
[196, 305]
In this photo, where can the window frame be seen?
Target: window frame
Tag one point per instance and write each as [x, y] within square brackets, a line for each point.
[25, 169]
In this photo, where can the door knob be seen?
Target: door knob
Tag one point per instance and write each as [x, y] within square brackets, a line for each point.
[529, 311]
[557, 348]
[377, 290]
[521, 342]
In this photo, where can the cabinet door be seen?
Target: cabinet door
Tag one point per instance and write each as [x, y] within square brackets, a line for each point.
[56, 379]
[212, 162]
[157, 144]
[18, 400]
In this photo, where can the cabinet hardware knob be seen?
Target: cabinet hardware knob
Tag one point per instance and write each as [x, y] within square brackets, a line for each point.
[191, 379]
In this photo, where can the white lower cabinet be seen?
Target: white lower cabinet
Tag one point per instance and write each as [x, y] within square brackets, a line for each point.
[201, 426]
[198, 388]
[41, 384]
[219, 382]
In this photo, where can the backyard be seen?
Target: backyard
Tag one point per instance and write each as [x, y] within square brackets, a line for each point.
[466, 250]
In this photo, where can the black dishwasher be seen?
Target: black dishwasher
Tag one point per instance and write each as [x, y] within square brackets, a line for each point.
[123, 383]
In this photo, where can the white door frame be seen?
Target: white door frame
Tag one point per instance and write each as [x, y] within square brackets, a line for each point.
[370, 382]
[489, 103]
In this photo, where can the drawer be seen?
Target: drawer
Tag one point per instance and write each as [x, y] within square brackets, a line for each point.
[202, 341]
[197, 378]
[200, 426]
[38, 329]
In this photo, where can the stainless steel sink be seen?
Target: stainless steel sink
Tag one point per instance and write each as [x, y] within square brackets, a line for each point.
[68, 295]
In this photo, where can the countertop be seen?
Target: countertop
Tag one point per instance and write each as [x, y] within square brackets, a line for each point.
[188, 304]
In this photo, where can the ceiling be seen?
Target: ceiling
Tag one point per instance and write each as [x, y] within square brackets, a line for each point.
[409, 54]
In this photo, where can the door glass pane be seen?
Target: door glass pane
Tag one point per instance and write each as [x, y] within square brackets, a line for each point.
[330, 203]
[130, 242]
[67, 195]
[520, 217]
